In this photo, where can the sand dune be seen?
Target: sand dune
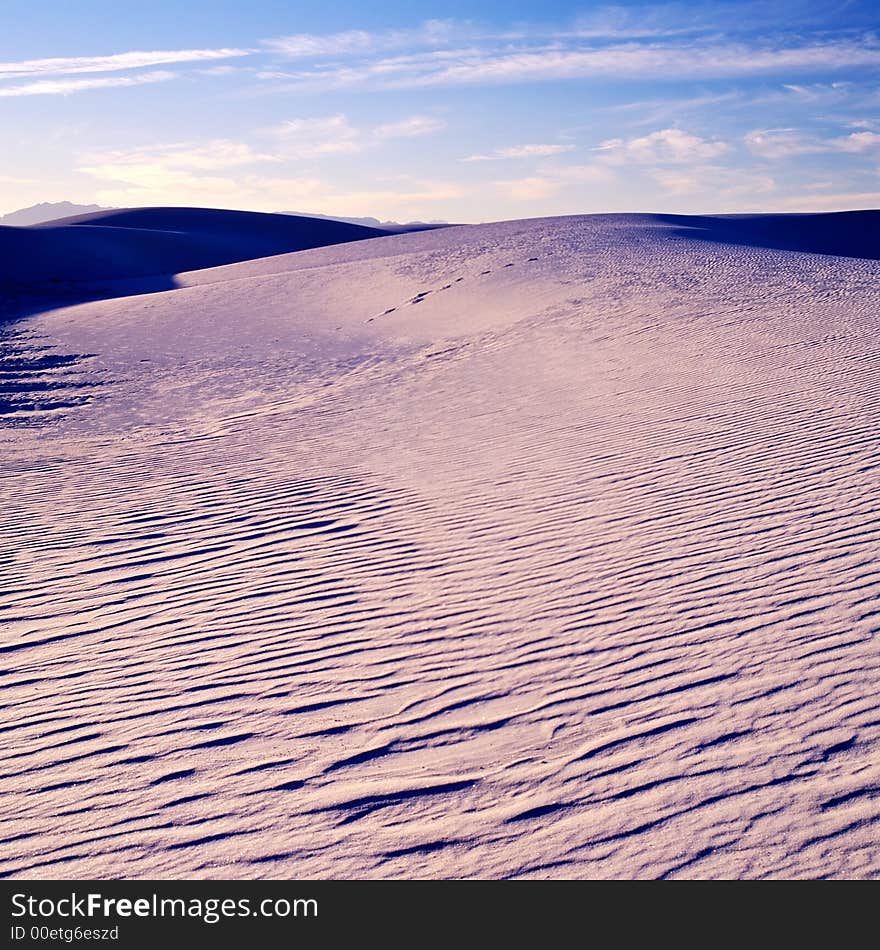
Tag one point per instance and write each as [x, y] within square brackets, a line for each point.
[140, 242]
[537, 549]
[843, 233]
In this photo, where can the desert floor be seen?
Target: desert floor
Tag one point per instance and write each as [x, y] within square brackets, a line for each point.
[537, 549]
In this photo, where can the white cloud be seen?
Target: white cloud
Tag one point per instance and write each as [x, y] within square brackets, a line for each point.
[521, 151]
[114, 63]
[858, 142]
[499, 63]
[181, 173]
[719, 182]
[786, 143]
[310, 138]
[409, 128]
[315, 46]
[679, 182]
[780, 143]
[179, 188]
[224, 70]
[665, 146]
[181, 167]
[307, 45]
[334, 135]
[219, 153]
[161, 185]
[813, 92]
[225, 173]
[208, 174]
[658, 61]
[656, 111]
[734, 183]
[64, 87]
[551, 180]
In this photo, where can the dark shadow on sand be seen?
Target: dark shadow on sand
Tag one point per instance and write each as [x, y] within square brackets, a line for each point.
[131, 251]
[37, 381]
[18, 301]
[840, 233]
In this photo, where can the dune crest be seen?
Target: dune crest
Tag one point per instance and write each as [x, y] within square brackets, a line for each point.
[143, 242]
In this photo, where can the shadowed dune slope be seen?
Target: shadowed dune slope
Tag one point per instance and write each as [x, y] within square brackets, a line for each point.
[537, 549]
[842, 233]
[142, 242]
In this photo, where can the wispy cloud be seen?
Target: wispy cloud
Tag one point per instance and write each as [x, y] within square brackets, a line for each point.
[857, 142]
[553, 179]
[815, 92]
[114, 63]
[64, 87]
[713, 180]
[521, 151]
[780, 143]
[774, 144]
[223, 70]
[123, 179]
[501, 64]
[311, 138]
[172, 167]
[655, 60]
[314, 46]
[311, 46]
[335, 134]
[665, 146]
[657, 111]
[207, 156]
[409, 128]
[169, 172]
[678, 17]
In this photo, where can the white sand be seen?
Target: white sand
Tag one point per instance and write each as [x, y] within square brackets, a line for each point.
[568, 568]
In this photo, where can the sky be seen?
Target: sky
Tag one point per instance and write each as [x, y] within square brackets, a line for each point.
[457, 111]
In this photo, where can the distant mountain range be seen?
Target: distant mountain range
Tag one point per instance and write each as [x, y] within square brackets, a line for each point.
[52, 211]
[46, 211]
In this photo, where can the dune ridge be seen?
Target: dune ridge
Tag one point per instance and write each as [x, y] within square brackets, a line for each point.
[143, 242]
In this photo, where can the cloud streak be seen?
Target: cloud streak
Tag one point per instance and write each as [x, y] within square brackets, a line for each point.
[117, 62]
[661, 61]
[335, 135]
[315, 46]
[520, 151]
[774, 144]
[65, 87]
[409, 128]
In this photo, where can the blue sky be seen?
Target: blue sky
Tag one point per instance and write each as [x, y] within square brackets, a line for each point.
[458, 111]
